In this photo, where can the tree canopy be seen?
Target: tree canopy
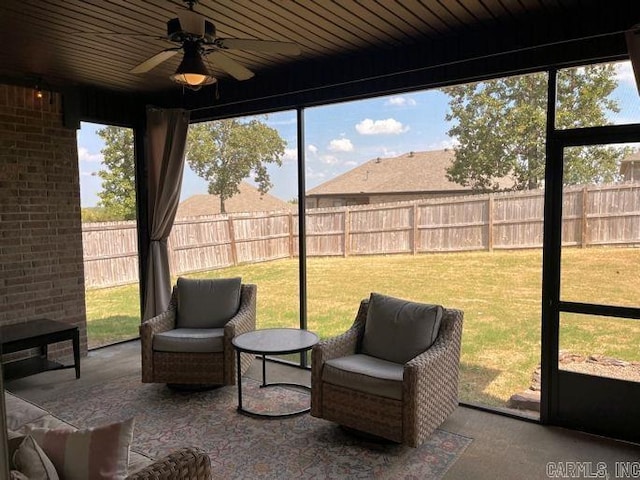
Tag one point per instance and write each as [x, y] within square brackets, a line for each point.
[225, 152]
[501, 128]
[118, 194]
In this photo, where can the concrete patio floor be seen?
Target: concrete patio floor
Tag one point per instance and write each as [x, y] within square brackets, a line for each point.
[502, 447]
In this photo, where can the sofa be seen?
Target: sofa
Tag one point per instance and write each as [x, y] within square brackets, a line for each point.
[24, 417]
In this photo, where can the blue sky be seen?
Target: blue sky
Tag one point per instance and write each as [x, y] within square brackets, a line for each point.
[342, 136]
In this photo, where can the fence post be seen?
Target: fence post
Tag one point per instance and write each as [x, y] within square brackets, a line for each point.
[173, 264]
[232, 238]
[347, 232]
[584, 225]
[414, 233]
[290, 234]
[490, 223]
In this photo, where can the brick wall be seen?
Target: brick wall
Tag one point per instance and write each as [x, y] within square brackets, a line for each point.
[41, 269]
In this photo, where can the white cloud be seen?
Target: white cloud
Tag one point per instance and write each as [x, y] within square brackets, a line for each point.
[312, 148]
[290, 155]
[313, 175]
[386, 153]
[624, 73]
[350, 163]
[340, 145]
[329, 159]
[400, 102]
[87, 174]
[85, 156]
[389, 126]
[449, 143]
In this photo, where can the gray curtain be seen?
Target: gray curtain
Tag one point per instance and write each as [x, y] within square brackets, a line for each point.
[165, 149]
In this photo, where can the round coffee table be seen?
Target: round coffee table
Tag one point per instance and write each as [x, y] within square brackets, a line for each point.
[272, 341]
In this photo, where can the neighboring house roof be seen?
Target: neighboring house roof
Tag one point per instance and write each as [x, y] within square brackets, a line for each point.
[248, 200]
[633, 157]
[410, 172]
[629, 167]
[630, 160]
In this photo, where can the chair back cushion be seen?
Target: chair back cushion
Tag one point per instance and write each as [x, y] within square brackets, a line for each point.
[398, 330]
[207, 303]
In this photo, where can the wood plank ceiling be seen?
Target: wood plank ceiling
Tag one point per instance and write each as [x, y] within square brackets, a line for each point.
[97, 42]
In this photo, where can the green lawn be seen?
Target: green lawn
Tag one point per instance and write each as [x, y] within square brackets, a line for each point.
[499, 293]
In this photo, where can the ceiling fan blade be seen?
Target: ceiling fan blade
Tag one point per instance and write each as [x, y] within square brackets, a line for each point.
[154, 61]
[230, 66]
[119, 34]
[286, 48]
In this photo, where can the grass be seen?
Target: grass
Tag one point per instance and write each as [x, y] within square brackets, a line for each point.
[500, 293]
[113, 314]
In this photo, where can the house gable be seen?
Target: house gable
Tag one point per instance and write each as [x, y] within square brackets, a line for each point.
[248, 200]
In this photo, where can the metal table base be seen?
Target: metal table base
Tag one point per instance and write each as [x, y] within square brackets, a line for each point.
[264, 384]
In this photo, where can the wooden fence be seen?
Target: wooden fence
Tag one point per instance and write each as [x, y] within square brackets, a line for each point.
[594, 215]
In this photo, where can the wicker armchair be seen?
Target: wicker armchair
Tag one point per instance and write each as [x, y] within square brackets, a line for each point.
[205, 366]
[183, 464]
[427, 396]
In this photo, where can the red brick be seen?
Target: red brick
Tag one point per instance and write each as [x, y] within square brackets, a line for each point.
[41, 253]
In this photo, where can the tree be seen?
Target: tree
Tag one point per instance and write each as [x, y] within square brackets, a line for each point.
[225, 152]
[97, 214]
[501, 128]
[118, 194]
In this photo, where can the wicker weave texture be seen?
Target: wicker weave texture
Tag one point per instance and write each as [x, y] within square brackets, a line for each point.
[188, 368]
[429, 390]
[160, 323]
[183, 464]
[217, 368]
[368, 413]
[335, 347]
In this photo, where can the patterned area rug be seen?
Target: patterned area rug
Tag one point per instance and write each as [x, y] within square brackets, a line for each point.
[244, 447]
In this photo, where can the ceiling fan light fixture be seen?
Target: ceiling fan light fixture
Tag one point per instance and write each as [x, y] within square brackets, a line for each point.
[192, 72]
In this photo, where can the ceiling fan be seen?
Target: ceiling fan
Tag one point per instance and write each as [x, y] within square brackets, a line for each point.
[197, 39]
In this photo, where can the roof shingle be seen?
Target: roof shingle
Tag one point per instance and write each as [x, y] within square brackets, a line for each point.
[410, 172]
[248, 200]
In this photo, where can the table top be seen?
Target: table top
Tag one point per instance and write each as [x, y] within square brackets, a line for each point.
[32, 328]
[275, 341]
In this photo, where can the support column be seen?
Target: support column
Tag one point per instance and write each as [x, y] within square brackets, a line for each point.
[142, 210]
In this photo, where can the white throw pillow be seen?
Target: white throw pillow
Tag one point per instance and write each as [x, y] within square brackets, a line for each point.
[31, 461]
[100, 453]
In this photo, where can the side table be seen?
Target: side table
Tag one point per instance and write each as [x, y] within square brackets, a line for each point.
[37, 334]
[272, 341]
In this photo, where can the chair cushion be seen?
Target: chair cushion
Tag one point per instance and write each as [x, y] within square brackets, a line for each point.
[190, 340]
[398, 330]
[207, 303]
[365, 374]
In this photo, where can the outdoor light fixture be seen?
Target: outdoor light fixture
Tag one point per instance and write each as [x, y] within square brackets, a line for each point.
[192, 72]
[38, 89]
